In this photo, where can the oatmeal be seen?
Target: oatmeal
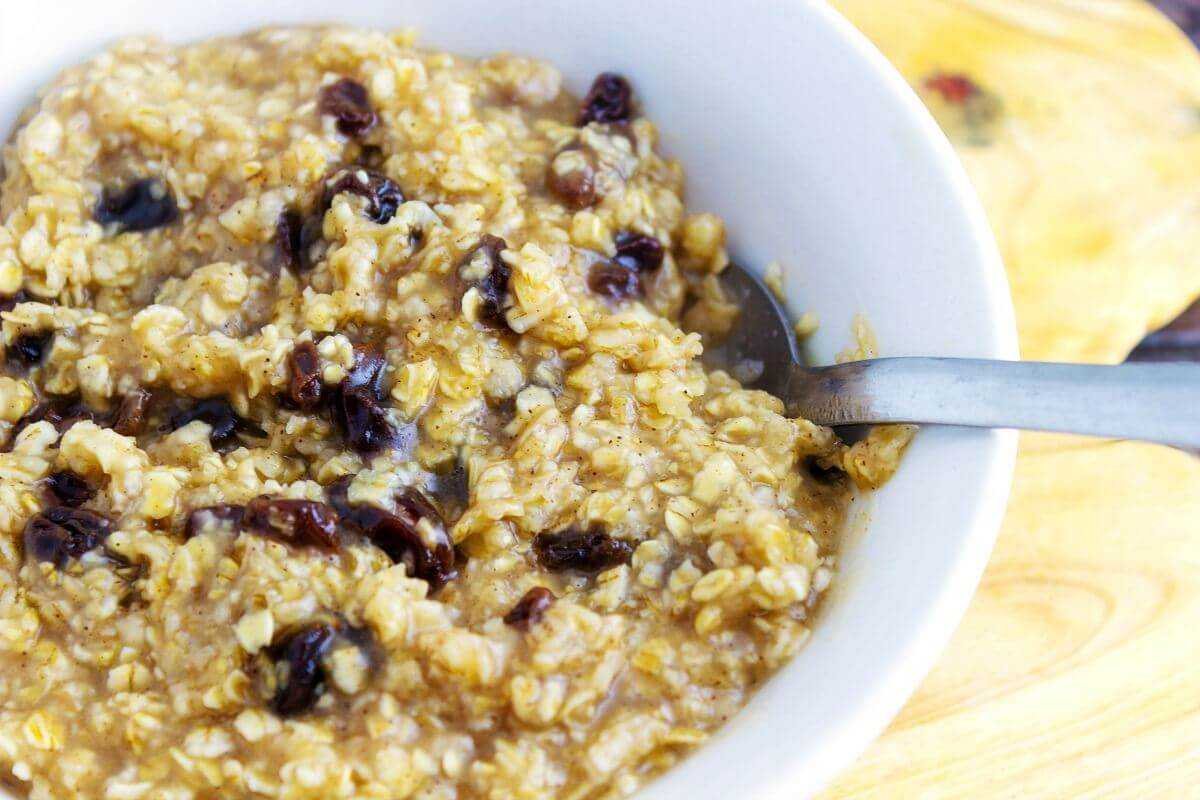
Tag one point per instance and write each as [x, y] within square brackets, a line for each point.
[356, 442]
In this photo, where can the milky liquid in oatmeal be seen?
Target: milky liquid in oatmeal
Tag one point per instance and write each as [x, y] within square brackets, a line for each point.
[355, 447]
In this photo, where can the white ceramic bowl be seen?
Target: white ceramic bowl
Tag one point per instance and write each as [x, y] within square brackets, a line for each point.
[796, 130]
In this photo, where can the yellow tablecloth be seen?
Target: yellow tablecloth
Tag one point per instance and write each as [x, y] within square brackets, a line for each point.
[1076, 672]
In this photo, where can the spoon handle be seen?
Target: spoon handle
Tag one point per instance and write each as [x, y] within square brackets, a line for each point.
[1151, 402]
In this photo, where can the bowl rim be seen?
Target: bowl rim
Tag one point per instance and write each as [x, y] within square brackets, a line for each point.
[848, 737]
[929, 641]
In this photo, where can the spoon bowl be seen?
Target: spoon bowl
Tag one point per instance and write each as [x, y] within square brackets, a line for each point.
[1152, 402]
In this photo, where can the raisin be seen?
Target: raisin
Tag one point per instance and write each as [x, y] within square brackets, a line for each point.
[223, 420]
[47, 542]
[347, 101]
[295, 235]
[592, 550]
[954, 89]
[613, 280]
[638, 252]
[369, 155]
[287, 237]
[61, 533]
[305, 387]
[28, 349]
[823, 474]
[69, 488]
[425, 550]
[64, 412]
[141, 206]
[367, 372]
[414, 506]
[299, 522]
[130, 418]
[530, 609]
[484, 267]
[382, 194]
[571, 177]
[60, 410]
[79, 520]
[338, 495]
[357, 409]
[363, 421]
[10, 301]
[609, 100]
[299, 672]
[200, 518]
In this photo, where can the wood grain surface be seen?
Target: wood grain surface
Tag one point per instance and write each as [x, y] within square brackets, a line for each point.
[1074, 673]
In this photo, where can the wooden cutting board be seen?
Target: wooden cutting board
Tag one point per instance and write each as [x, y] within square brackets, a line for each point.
[1074, 673]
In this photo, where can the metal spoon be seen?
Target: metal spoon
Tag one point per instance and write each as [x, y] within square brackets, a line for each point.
[1151, 402]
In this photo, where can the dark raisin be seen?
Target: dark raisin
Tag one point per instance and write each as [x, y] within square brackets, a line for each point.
[287, 236]
[484, 267]
[592, 550]
[638, 252]
[28, 349]
[347, 101]
[79, 521]
[69, 488]
[425, 549]
[413, 506]
[357, 404]
[299, 674]
[305, 387]
[141, 206]
[382, 194]
[66, 415]
[200, 518]
[613, 280]
[822, 473]
[609, 100]
[220, 416]
[299, 522]
[217, 413]
[954, 88]
[295, 235]
[10, 301]
[60, 410]
[368, 371]
[130, 418]
[529, 609]
[338, 495]
[363, 421]
[46, 542]
[572, 180]
[452, 489]
[370, 156]
[61, 533]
